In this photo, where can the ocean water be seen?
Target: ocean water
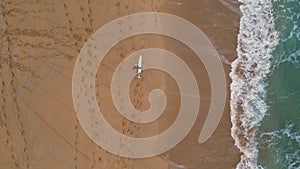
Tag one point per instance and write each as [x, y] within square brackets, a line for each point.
[265, 89]
[279, 134]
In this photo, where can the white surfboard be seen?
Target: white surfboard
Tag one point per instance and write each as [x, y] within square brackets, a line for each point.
[139, 67]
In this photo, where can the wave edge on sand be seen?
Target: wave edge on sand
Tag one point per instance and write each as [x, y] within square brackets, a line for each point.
[257, 39]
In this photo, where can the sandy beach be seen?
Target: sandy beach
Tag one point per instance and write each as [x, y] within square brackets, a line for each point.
[40, 43]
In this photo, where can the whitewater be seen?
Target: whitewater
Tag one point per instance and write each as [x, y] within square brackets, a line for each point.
[257, 39]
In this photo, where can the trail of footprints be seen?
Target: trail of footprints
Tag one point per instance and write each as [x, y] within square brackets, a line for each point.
[99, 156]
[9, 89]
[9, 69]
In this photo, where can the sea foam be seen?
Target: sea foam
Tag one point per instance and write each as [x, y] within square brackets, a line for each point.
[272, 139]
[256, 41]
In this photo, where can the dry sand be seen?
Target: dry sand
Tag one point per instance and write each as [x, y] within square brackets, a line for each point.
[40, 42]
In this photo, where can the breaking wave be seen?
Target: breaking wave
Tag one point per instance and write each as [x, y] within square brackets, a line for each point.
[257, 39]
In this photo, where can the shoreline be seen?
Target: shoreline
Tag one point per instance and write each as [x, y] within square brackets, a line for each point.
[256, 41]
[206, 20]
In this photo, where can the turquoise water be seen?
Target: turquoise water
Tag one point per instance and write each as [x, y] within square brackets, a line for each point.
[279, 134]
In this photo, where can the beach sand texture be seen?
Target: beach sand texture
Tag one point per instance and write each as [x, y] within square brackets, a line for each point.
[40, 42]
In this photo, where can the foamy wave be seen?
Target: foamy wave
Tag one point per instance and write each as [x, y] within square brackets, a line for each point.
[256, 41]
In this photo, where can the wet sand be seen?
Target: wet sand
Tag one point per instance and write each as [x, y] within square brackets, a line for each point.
[39, 46]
